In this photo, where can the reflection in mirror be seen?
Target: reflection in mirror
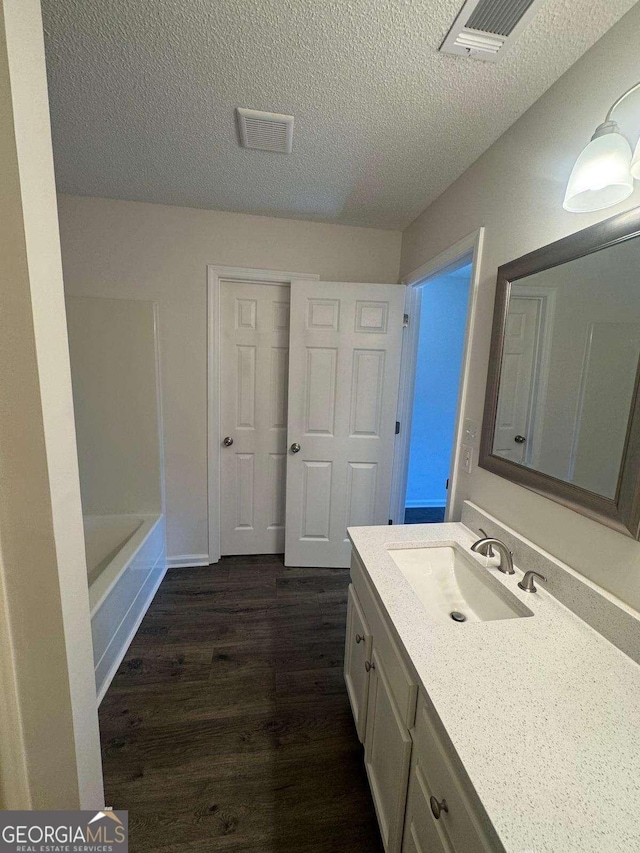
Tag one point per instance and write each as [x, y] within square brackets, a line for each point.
[570, 357]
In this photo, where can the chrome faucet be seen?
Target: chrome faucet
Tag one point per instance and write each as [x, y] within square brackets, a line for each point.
[487, 545]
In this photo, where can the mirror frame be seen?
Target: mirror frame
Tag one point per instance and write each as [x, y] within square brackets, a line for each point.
[623, 511]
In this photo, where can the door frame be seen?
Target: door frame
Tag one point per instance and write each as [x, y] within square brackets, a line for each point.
[215, 276]
[469, 248]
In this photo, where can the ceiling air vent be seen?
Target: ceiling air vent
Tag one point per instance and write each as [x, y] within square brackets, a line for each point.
[266, 131]
[485, 28]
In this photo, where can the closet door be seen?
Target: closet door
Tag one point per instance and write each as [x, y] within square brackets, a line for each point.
[253, 397]
[344, 366]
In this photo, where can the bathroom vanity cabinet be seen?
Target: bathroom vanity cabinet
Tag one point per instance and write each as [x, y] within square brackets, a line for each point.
[423, 800]
[449, 713]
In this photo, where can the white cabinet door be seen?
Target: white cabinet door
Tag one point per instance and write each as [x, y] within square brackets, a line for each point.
[458, 826]
[253, 397]
[387, 758]
[421, 833]
[346, 342]
[356, 654]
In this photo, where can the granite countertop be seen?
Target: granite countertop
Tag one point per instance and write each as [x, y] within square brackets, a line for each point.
[543, 712]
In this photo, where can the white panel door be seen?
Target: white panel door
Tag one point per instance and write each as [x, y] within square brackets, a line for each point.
[346, 342]
[518, 363]
[253, 395]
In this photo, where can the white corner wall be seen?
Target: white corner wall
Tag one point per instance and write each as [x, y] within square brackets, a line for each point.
[49, 738]
[146, 251]
[515, 190]
[112, 345]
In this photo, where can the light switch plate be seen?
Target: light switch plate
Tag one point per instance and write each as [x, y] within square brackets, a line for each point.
[466, 458]
[470, 431]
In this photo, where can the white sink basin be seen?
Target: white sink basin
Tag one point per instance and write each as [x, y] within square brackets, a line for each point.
[448, 581]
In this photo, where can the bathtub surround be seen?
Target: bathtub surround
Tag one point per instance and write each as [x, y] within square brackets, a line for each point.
[49, 740]
[116, 388]
[515, 190]
[147, 251]
[104, 537]
[113, 349]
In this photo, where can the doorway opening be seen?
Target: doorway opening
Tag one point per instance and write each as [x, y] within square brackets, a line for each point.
[436, 437]
[442, 325]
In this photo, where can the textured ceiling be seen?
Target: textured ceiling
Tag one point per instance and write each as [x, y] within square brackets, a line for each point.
[143, 94]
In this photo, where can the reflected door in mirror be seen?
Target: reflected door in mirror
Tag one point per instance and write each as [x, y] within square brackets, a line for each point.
[516, 389]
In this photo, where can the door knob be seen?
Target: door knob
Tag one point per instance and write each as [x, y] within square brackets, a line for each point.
[295, 447]
[227, 441]
[519, 439]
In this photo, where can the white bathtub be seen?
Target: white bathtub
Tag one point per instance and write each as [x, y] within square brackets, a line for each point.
[126, 561]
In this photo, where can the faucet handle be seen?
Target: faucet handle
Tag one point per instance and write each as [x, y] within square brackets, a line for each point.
[527, 583]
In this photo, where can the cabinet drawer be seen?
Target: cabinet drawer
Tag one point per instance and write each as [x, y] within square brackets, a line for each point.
[460, 824]
[402, 683]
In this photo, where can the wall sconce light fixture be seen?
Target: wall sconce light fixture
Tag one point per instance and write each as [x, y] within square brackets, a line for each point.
[603, 173]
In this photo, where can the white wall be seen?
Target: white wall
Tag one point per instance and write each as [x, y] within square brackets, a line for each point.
[112, 345]
[516, 190]
[144, 251]
[49, 739]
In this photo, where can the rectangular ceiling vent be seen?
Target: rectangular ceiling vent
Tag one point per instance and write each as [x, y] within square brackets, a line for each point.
[266, 131]
[484, 29]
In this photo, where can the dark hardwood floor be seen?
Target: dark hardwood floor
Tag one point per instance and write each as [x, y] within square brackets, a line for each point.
[227, 726]
[424, 515]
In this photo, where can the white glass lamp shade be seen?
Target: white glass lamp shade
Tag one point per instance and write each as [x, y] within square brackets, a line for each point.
[601, 176]
[635, 163]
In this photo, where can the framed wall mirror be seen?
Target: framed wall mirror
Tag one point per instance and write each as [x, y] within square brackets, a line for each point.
[562, 410]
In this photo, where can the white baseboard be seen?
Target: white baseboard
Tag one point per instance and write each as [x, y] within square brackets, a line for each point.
[427, 504]
[187, 561]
